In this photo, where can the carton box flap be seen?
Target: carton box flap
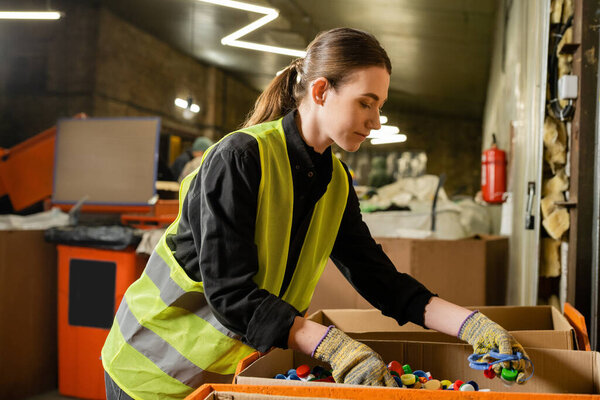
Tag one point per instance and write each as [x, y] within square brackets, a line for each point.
[596, 372]
[540, 339]
[539, 326]
[512, 318]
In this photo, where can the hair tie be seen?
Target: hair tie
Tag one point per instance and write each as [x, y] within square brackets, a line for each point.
[297, 65]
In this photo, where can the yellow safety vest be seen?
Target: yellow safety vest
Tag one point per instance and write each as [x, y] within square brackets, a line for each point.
[165, 340]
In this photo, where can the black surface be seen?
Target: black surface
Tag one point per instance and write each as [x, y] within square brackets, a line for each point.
[91, 293]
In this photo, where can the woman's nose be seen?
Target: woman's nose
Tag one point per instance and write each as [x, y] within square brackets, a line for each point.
[374, 122]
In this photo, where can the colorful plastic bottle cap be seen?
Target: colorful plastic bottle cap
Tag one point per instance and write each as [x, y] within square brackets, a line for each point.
[310, 377]
[303, 370]
[395, 365]
[489, 373]
[408, 379]
[446, 383]
[293, 377]
[474, 384]
[432, 384]
[394, 373]
[467, 387]
[509, 374]
[420, 373]
[428, 374]
[398, 381]
[457, 384]
[317, 370]
[406, 368]
[280, 376]
[292, 371]
[422, 380]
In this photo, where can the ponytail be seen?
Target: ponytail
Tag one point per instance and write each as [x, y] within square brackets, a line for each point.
[279, 97]
[334, 55]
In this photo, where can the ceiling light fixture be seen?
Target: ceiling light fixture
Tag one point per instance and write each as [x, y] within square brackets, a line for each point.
[390, 139]
[48, 15]
[385, 130]
[188, 106]
[269, 15]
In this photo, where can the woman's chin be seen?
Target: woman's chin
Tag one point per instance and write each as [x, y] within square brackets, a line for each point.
[351, 147]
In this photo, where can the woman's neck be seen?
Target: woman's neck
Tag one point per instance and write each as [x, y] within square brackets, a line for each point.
[310, 133]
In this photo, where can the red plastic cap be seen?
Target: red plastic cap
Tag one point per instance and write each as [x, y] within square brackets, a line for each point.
[303, 371]
[489, 373]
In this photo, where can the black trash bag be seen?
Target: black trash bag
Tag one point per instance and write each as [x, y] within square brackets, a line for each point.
[100, 237]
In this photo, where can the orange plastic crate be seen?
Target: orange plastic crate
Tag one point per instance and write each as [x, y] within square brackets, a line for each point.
[372, 393]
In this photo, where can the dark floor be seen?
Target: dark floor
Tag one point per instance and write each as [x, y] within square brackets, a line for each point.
[54, 395]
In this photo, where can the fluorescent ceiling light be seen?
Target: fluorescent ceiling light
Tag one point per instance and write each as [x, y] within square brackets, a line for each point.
[188, 105]
[385, 130]
[383, 119]
[29, 15]
[390, 139]
[269, 15]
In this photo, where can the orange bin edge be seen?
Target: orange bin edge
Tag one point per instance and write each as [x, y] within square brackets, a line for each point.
[368, 393]
[577, 321]
[27, 170]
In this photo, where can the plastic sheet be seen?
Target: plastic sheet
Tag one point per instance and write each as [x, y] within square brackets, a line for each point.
[101, 237]
[38, 221]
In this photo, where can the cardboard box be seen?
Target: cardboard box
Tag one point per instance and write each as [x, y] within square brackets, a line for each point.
[556, 371]
[538, 326]
[28, 314]
[443, 266]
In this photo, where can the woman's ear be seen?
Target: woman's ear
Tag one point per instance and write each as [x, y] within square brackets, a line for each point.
[318, 90]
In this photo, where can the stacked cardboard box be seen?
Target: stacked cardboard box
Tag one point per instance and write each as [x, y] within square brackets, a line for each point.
[539, 326]
[443, 266]
[28, 314]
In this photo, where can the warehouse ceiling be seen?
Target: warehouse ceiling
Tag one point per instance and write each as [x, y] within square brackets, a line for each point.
[440, 49]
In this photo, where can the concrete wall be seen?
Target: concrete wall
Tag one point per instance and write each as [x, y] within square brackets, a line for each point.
[514, 112]
[46, 71]
[94, 62]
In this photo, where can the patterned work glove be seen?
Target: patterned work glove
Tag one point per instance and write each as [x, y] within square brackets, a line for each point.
[352, 362]
[485, 335]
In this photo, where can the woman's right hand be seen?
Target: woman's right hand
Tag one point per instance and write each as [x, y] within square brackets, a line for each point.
[352, 362]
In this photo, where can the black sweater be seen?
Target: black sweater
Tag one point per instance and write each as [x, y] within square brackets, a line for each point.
[215, 241]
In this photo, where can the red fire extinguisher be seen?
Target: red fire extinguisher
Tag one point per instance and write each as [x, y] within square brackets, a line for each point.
[493, 173]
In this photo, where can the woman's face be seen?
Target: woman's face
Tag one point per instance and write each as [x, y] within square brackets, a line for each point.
[350, 111]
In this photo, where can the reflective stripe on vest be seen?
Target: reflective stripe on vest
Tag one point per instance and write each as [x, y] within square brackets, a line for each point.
[165, 332]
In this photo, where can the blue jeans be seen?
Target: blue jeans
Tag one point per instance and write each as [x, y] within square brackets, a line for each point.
[113, 391]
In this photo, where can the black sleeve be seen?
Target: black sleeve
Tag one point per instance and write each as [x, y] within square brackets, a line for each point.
[225, 204]
[364, 264]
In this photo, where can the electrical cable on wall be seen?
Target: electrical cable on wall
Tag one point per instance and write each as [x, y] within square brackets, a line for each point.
[559, 112]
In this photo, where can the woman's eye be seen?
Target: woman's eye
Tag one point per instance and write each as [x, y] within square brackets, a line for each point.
[365, 105]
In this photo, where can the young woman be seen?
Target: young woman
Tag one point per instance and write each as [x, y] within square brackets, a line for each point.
[258, 220]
